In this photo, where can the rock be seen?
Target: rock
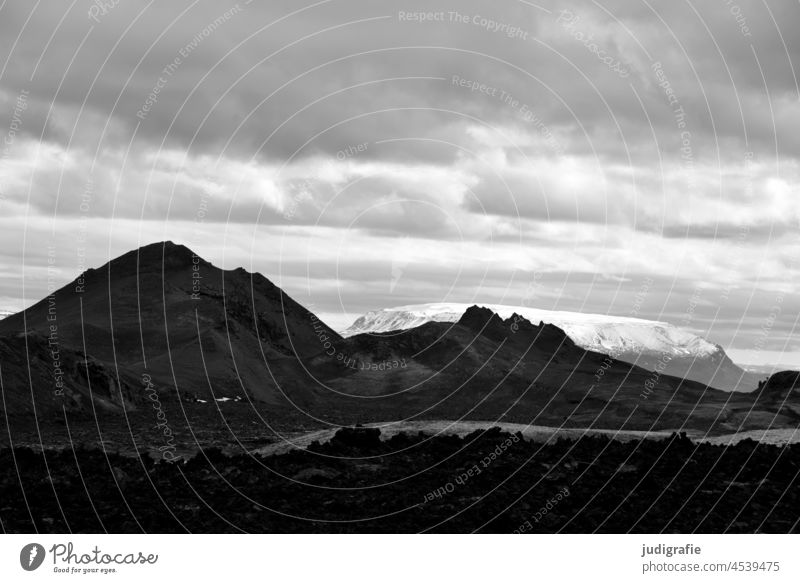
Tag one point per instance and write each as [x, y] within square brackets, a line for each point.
[122, 478]
[357, 437]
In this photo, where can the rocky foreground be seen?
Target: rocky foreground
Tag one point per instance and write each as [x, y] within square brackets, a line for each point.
[487, 481]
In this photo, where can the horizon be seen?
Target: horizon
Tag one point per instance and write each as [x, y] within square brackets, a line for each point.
[341, 321]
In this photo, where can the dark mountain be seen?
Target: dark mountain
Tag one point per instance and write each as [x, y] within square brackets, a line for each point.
[483, 367]
[196, 330]
[656, 346]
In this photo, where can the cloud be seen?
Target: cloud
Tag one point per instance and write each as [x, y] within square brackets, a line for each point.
[483, 143]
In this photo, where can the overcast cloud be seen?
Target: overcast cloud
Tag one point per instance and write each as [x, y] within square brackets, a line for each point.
[362, 158]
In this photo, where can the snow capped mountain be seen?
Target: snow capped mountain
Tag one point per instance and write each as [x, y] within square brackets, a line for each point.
[613, 335]
[653, 345]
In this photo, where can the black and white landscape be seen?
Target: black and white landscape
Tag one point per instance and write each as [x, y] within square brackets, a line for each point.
[384, 267]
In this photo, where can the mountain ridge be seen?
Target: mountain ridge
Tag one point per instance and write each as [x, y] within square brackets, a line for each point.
[648, 343]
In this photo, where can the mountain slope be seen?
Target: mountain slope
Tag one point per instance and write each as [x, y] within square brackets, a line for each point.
[650, 344]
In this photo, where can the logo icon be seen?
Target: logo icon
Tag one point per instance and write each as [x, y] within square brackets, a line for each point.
[31, 556]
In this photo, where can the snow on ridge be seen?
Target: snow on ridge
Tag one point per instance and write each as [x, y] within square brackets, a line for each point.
[609, 334]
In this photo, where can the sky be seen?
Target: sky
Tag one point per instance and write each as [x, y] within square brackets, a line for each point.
[626, 157]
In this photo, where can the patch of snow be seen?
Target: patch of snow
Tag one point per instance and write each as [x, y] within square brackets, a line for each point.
[226, 399]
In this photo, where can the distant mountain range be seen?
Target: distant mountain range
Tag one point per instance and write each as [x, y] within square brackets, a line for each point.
[650, 344]
[160, 324]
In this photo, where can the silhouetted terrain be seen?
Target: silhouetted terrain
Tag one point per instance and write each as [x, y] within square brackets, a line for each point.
[486, 482]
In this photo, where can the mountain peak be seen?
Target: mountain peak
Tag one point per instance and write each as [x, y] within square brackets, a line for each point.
[167, 249]
[478, 317]
[156, 256]
[476, 311]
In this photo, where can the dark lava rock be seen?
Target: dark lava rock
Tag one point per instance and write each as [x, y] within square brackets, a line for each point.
[363, 438]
